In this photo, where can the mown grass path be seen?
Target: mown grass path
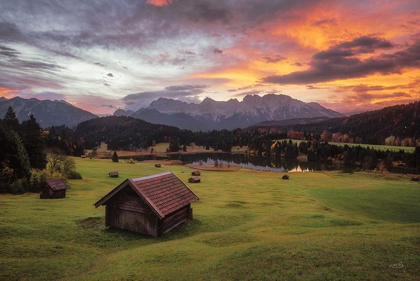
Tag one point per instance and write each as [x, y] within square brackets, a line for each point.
[248, 225]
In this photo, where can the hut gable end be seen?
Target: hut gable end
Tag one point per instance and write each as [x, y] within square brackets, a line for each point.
[127, 199]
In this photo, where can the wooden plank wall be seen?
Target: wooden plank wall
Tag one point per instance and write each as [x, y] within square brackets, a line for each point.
[128, 211]
[176, 218]
[133, 221]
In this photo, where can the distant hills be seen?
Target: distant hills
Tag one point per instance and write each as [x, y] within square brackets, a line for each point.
[287, 122]
[231, 114]
[47, 112]
[121, 132]
[400, 121]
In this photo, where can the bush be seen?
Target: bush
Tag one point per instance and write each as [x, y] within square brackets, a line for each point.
[37, 180]
[19, 186]
[73, 175]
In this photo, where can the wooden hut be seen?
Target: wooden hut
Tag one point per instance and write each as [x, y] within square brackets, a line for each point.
[113, 174]
[152, 205]
[285, 177]
[158, 165]
[53, 189]
[194, 180]
[196, 173]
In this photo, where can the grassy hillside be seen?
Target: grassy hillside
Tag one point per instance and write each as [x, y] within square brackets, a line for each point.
[248, 225]
[371, 127]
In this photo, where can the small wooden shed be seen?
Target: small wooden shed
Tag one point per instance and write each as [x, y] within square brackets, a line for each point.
[152, 205]
[285, 177]
[53, 189]
[196, 173]
[194, 180]
[113, 174]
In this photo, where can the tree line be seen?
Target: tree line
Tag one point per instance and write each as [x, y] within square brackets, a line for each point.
[25, 156]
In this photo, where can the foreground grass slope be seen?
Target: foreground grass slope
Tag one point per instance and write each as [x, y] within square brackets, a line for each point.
[248, 225]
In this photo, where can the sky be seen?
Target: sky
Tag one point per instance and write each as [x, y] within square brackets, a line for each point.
[349, 56]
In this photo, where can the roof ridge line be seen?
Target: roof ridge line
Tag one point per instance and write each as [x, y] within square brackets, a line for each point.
[152, 176]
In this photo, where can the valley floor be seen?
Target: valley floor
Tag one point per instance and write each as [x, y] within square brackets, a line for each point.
[248, 225]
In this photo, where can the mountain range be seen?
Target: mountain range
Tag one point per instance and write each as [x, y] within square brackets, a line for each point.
[205, 116]
[47, 112]
[231, 114]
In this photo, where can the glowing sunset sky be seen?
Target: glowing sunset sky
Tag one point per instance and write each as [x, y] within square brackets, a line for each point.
[350, 56]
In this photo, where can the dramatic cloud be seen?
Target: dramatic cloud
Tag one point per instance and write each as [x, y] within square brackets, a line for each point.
[49, 96]
[112, 49]
[192, 88]
[325, 22]
[217, 51]
[363, 97]
[274, 59]
[181, 92]
[159, 2]
[109, 106]
[208, 12]
[256, 92]
[8, 52]
[341, 62]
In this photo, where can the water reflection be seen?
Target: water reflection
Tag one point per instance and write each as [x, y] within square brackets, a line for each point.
[263, 163]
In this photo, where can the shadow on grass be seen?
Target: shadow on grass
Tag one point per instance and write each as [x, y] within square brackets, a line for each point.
[96, 226]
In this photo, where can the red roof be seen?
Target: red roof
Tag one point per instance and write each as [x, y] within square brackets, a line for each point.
[164, 193]
[57, 184]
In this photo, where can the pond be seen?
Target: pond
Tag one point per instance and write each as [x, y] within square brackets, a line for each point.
[254, 162]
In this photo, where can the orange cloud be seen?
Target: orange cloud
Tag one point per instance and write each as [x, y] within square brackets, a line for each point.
[328, 23]
[5, 92]
[159, 3]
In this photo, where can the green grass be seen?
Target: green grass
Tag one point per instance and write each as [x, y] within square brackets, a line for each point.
[248, 225]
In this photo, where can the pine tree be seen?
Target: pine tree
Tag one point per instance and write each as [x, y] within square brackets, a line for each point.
[115, 157]
[14, 154]
[11, 120]
[174, 145]
[34, 143]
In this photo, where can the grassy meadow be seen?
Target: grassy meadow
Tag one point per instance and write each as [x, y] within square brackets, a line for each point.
[248, 225]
